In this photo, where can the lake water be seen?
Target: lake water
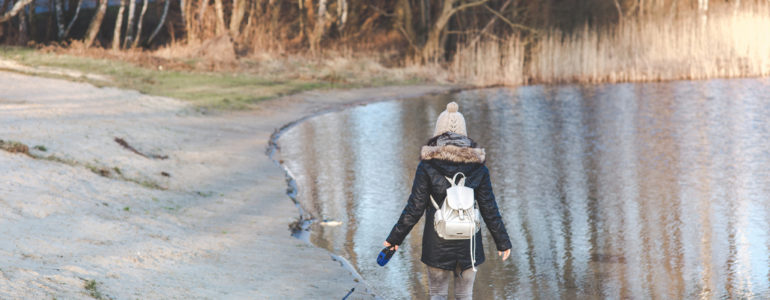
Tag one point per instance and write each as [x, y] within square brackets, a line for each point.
[635, 191]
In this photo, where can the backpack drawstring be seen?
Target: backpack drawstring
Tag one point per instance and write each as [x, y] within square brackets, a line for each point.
[473, 243]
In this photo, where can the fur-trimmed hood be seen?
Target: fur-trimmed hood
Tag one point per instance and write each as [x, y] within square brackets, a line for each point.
[453, 147]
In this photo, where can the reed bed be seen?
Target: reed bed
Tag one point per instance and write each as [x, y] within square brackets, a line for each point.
[727, 43]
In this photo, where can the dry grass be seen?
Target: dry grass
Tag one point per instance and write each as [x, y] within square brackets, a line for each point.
[728, 44]
[14, 147]
[197, 73]
[490, 63]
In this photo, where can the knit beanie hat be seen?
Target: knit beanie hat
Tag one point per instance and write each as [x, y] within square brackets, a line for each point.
[450, 120]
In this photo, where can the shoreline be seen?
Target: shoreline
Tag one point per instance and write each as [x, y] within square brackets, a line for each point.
[215, 228]
[301, 227]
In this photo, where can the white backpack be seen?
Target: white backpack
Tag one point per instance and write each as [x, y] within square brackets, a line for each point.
[457, 218]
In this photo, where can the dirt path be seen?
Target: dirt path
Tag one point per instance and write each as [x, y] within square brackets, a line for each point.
[90, 217]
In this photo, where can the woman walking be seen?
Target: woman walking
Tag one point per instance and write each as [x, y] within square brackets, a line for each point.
[448, 153]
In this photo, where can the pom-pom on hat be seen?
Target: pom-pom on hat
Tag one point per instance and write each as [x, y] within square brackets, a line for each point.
[450, 120]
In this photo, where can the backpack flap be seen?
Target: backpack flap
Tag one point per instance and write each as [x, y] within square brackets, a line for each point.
[460, 197]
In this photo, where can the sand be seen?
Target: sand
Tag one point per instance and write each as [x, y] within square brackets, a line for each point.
[210, 221]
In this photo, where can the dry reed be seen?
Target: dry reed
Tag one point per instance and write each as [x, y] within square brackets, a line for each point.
[729, 43]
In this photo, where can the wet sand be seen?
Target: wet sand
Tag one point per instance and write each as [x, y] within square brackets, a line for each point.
[209, 221]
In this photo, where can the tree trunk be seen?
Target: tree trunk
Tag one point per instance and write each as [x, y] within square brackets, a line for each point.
[424, 15]
[130, 24]
[275, 15]
[221, 29]
[431, 49]
[188, 20]
[342, 14]
[182, 11]
[491, 22]
[17, 7]
[320, 26]
[301, 19]
[404, 20]
[59, 20]
[96, 23]
[23, 28]
[118, 26]
[620, 11]
[75, 17]
[703, 9]
[202, 14]
[162, 21]
[139, 24]
[236, 18]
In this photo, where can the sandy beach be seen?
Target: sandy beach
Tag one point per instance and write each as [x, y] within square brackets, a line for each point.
[187, 206]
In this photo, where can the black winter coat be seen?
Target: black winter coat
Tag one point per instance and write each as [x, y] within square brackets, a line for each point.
[445, 155]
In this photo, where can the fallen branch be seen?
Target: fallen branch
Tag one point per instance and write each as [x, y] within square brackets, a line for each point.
[125, 144]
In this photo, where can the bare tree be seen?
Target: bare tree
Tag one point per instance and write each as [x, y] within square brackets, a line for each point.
[620, 11]
[220, 16]
[491, 22]
[204, 5]
[130, 24]
[139, 24]
[96, 23]
[342, 14]
[75, 17]
[162, 21]
[17, 7]
[23, 27]
[404, 21]
[59, 20]
[182, 10]
[236, 18]
[431, 49]
[320, 26]
[118, 26]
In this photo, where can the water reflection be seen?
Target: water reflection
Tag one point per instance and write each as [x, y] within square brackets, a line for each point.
[655, 190]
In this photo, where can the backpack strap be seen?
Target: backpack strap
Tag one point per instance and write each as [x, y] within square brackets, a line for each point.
[454, 179]
[462, 181]
[434, 202]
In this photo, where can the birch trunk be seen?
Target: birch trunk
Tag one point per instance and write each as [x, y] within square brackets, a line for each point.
[220, 17]
[239, 9]
[96, 23]
[320, 26]
[130, 24]
[162, 21]
[23, 28]
[59, 21]
[139, 24]
[342, 14]
[118, 26]
[18, 7]
[75, 17]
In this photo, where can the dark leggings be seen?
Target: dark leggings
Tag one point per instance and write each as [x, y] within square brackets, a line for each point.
[438, 284]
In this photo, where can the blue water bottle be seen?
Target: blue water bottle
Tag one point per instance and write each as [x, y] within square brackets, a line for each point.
[385, 255]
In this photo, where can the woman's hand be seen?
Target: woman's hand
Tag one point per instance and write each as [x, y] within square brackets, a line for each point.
[389, 245]
[504, 254]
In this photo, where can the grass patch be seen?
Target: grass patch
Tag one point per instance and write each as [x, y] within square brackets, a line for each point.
[241, 88]
[114, 172]
[14, 147]
[92, 287]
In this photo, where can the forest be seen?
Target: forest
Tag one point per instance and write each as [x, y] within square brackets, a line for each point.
[482, 41]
